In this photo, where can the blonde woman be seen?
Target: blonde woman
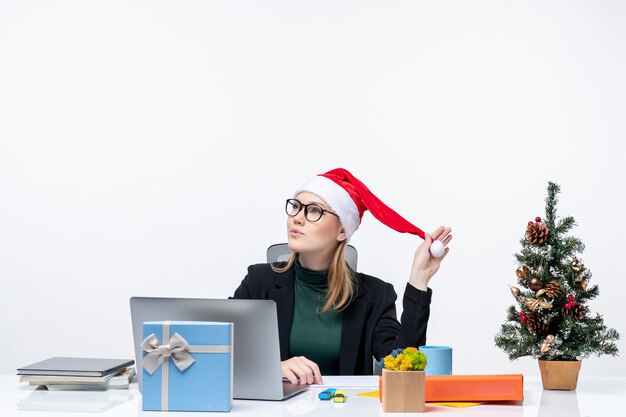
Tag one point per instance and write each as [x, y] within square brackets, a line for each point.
[333, 320]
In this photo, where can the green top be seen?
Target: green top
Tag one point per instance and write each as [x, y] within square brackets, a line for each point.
[316, 336]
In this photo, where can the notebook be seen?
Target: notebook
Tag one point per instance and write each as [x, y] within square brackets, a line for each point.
[114, 380]
[67, 366]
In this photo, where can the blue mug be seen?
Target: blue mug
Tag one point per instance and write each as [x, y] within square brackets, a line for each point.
[438, 359]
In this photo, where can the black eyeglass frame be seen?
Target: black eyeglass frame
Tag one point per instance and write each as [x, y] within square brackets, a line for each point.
[306, 210]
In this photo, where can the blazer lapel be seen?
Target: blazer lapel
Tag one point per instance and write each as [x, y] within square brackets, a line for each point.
[283, 295]
[351, 330]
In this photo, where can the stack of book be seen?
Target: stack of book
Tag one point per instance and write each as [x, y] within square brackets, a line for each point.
[63, 373]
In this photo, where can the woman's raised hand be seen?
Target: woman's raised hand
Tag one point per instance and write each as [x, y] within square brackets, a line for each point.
[424, 264]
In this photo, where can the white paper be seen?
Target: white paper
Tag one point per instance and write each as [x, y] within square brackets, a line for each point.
[348, 381]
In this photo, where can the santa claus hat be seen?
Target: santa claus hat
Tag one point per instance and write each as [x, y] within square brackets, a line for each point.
[349, 198]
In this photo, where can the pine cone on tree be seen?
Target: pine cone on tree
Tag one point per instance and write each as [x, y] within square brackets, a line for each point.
[552, 289]
[537, 233]
[523, 275]
[535, 324]
[577, 311]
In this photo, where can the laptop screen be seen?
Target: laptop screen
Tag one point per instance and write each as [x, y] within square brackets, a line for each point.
[256, 351]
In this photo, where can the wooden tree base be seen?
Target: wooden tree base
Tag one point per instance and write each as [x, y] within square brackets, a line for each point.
[559, 375]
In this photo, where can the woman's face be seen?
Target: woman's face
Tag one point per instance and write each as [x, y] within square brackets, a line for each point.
[322, 236]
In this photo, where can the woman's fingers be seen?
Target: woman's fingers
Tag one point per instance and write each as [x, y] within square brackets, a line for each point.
[438, 231]
[317, 375]
[290, 371]
[293, 378]
[441, 233]
[293, 374]
[301, 370]
[305, 374]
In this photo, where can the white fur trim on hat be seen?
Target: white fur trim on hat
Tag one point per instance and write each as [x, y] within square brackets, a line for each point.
[338, 199]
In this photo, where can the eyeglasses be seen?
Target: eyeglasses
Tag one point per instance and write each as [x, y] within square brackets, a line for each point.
[312, 212]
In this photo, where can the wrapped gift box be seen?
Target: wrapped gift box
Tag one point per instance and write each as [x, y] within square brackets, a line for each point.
[192, 370]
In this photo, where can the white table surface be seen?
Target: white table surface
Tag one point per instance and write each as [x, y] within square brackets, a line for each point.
[594, 397]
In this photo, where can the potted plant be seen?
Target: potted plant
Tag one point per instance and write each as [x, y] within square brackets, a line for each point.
[403, 381]
[551, 320]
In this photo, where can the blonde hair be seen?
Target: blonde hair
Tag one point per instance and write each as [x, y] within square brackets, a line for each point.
[341, 283]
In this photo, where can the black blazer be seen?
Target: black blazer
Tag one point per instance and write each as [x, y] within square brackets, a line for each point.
[370, 326]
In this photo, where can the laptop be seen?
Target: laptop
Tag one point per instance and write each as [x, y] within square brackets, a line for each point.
[256, 350]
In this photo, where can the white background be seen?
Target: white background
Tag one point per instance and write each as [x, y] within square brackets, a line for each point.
[147, 147]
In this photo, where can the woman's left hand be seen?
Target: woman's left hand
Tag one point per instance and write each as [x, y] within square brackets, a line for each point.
[425, 265]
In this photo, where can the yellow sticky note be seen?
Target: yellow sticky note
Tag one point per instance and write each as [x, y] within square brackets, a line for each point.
[454, 404]
[371, 394]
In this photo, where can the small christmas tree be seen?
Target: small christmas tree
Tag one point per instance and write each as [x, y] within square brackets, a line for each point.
[552, 320]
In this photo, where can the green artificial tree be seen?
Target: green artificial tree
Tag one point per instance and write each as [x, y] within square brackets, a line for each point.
[551, 319]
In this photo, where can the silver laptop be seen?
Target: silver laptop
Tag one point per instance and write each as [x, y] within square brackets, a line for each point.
[256, 350]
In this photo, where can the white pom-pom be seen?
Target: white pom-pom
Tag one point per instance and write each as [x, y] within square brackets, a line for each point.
[437, 249]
